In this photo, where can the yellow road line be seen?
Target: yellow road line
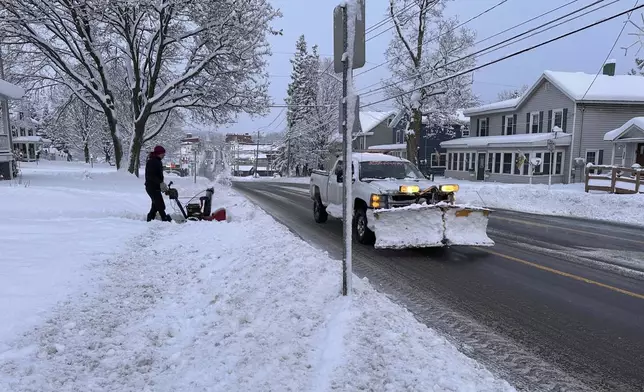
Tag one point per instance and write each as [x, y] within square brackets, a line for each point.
[561, 273]
[565, 228]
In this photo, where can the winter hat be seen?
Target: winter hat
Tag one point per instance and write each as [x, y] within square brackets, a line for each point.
[158, 150]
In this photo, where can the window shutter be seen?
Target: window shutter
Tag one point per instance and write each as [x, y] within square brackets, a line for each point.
[478, 126]
[514, 124]
[564, 121]
[502, 125]
[600, 159]
[527, 122]
[541, 121]
[549, 120]
[487, 129]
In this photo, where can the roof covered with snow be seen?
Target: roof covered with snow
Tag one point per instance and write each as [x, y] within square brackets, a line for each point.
[633, 128]
[398, 146]
[10, 91]
[522, 140]
[29, 139]
[620, 88]
[371, 157]
[579, 87]
[370, 120]
[508, 104]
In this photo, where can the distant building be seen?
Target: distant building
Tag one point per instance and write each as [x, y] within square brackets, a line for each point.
[239, 138]
[244, 157]
[27, 143]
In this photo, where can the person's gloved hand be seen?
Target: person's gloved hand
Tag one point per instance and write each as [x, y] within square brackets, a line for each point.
[164, 187]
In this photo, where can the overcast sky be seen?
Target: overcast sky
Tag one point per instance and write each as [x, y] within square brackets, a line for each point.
[585, 51]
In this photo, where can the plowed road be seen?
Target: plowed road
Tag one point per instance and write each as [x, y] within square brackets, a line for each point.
[557, 304]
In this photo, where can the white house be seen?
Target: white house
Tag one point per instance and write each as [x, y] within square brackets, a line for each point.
[7, 91]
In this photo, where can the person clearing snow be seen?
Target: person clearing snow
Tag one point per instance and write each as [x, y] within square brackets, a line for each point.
[154, 184]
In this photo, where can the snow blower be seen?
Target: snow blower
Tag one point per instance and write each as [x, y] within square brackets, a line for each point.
[197, 211]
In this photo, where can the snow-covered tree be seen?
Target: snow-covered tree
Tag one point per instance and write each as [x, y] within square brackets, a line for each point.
[512, 93]
[208, 59]
[78, 126]
[639, 67]
[427, 45]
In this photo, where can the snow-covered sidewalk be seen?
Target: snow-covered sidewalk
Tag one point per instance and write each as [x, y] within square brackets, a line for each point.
[242, 305]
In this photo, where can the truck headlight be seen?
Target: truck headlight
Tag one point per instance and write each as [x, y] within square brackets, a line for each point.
[449, 188]
[409, 189]
[378, 201]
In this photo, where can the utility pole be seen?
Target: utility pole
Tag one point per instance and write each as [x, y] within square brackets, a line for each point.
[194, 163]
[344, 59]
[288, 156]
[257, 155]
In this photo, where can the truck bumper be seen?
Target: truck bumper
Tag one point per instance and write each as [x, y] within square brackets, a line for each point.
[429, 226]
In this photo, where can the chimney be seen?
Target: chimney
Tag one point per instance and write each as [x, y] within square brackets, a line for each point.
[609, 68]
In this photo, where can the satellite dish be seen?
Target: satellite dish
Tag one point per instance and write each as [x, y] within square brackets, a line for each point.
[536, 161]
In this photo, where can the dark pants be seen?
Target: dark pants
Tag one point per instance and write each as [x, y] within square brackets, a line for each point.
[158, 205]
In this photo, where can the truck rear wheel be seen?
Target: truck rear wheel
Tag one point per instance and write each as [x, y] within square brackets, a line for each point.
[319, 211]
[360, 228]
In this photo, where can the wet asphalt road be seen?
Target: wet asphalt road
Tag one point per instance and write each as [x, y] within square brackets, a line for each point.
[556, 305]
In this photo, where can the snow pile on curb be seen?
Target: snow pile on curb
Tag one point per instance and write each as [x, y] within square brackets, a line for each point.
[563, 200]
[241, 306]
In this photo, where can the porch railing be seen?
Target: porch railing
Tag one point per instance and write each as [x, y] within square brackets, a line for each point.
[614, 179]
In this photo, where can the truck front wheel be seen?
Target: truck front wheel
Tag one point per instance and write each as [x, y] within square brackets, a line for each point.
[360, 228]
[319, 211]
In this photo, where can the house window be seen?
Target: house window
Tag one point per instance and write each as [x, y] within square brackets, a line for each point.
[490, 162]
[558, 162]
[449, 161]
[22, 132]
[526, 165]
[557, 119]
[546, 163]
[517, 168]
[497, 162]
[21, 115]
[454, 161]
[484, 127]
[438, 160]
[508, 127]
[461, 161]
[507, 163]
[591, 156]
[534, 122]
[30, 131]
[465, 132]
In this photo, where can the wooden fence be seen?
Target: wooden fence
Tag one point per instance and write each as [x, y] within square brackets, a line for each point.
[614, 179]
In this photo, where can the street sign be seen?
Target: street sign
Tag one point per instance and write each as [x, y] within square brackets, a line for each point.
[339, 28]
[357, 126]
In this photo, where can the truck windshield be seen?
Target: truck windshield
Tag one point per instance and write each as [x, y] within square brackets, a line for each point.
[379, 170]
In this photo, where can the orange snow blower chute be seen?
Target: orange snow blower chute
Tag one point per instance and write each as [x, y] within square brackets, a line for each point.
[197, 211]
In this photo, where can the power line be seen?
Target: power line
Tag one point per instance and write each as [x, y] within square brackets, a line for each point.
[506, 30]
[389, 17]
[610, 52]
[435, 38]
[440, 80]
[411, 16]
[505, 43]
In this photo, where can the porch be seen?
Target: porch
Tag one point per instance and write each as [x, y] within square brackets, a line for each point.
[530, 158]
[628, 143]
[28, 147]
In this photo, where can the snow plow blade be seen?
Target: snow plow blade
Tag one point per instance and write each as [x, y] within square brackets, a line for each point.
[427, 226]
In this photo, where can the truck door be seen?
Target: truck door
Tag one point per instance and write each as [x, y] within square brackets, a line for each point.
[334, 192]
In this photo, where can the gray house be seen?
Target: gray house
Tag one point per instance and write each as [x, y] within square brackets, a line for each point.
[562, 117]
[7, 91]
[376, 129]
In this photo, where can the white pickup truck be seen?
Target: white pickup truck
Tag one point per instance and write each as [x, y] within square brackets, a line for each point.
[395, 206]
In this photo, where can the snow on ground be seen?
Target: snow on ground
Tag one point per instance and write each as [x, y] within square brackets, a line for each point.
[200, 306]
[564, 200]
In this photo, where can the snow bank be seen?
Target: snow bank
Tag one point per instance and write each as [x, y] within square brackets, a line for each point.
[289, 180]
[564, 200]
[241, 306]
